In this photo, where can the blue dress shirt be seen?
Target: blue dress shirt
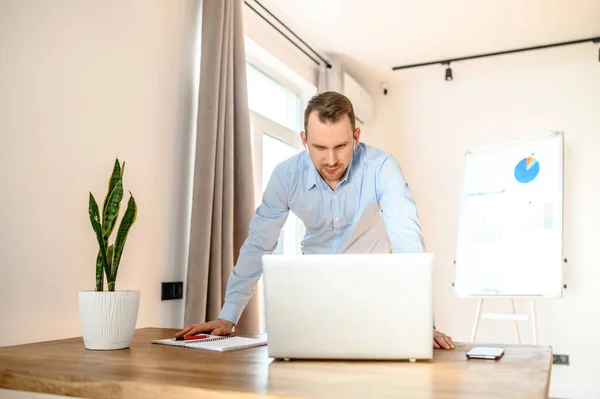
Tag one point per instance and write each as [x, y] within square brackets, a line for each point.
[370, 211]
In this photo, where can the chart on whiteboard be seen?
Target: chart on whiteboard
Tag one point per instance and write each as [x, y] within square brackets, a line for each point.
[511, 203]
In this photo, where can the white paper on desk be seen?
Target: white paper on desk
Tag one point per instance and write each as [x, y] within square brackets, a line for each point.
[174, 342]
[227, 344]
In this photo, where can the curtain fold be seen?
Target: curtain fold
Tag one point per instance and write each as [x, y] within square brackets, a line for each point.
[223, 196]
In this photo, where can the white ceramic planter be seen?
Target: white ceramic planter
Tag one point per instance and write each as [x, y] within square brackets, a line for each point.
[108, 319]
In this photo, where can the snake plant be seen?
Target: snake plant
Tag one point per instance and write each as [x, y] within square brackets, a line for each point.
[109, 255]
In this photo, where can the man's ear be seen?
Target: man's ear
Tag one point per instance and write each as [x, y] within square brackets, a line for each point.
[304, 138]
[356, 136]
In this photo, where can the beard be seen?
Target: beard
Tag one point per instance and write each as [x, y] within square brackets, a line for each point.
[332, 175]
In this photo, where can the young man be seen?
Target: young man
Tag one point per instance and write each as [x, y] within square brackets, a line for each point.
[352, 198]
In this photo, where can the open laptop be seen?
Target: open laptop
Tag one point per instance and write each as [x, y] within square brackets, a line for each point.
[364, 306]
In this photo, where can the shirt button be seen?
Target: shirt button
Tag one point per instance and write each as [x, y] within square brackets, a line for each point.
[336, 219]
[334, 196]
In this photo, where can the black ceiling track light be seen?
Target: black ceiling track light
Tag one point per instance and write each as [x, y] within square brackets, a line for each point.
[448, 73]
[449, 77]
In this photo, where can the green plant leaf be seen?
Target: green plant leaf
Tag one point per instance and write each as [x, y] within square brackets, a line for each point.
[112, 209]
[99, 272]
[116, 175]
[95, 220]
[126, 223]
[108, 259]
[109, 255]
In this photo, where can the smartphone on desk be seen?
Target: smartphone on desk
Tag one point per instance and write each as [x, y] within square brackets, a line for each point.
[485, 352]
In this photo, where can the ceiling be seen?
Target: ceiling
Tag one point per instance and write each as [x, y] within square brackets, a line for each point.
[371, 36]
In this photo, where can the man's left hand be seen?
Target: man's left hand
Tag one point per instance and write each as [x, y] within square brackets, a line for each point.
[441, 340]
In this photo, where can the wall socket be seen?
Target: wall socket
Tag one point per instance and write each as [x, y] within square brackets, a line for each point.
[172, 290]
[560, 359]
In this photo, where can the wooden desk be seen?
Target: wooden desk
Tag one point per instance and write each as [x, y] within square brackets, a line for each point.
[145, 370]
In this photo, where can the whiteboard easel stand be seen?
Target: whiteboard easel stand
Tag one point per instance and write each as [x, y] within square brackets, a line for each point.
[507, 316]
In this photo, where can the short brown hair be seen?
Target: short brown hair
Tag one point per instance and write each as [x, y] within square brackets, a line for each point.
[331, 106]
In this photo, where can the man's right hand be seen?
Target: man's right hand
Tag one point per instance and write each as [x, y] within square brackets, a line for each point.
[215, 327]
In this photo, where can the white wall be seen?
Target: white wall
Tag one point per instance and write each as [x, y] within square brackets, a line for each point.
[81, 83]
[429, 123]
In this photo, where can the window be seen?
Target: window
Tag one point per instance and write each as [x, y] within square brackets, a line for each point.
[276, 102]
[276, 123]
[276, 151]
[272, 100]
[273, 144]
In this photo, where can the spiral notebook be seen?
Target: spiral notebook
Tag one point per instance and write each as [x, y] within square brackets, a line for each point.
[215, 343]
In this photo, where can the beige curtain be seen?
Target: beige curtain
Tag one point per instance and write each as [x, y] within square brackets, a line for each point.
[223, 197]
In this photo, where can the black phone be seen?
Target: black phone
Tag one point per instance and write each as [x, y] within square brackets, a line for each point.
[485, 352]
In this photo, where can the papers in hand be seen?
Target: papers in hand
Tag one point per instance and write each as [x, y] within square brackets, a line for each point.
[215, 343]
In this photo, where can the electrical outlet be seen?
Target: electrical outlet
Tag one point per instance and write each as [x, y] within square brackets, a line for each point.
[171, 291]
[560, 359]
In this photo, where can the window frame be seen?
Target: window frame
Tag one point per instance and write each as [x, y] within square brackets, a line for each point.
[260, 125]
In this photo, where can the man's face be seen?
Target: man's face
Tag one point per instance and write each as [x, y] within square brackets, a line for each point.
[330, 145]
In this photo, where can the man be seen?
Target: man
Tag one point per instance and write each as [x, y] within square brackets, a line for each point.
[348, 194]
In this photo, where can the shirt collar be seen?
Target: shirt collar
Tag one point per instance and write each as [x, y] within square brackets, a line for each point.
[313, 174]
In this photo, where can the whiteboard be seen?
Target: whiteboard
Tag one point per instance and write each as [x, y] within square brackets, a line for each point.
[510, 234]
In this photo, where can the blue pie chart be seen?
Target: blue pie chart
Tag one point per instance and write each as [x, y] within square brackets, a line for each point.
[527, 170]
